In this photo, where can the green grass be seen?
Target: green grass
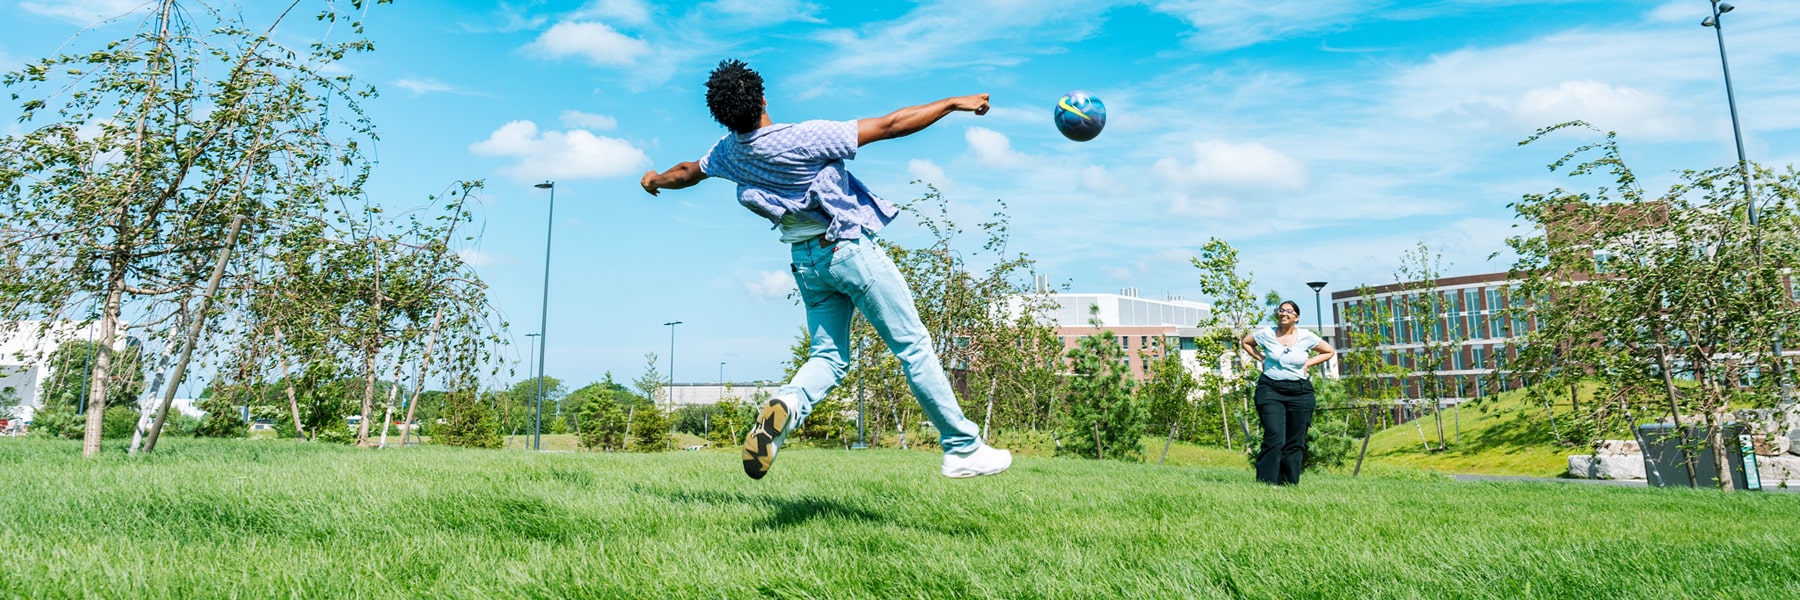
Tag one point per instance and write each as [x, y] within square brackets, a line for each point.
[253, 519]
[1504, 435]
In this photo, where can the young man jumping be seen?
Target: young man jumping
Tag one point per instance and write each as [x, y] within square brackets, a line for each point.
[794, 176]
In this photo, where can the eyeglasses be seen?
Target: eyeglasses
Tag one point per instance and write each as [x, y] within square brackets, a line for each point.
[1287, 311]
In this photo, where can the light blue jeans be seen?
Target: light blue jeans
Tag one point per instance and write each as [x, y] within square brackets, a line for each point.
[846, 276]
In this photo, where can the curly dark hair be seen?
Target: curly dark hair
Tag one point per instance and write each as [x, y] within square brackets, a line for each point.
[734, 94]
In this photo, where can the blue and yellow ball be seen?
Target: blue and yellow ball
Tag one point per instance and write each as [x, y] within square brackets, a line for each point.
[1080, 116]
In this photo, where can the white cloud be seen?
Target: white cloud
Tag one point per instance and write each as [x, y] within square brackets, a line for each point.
[9, 62]
[581, 120]
[1616, 106]
[629, 12]
[1224, 168]
[770, 285]
[85, 12]
[576, 154]
[991, 148]
[420, 87]
[475, 258]
[928, 172]
[598, 43]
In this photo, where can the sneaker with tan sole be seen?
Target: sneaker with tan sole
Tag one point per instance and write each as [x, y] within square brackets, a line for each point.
[766, 435]
[984, 460]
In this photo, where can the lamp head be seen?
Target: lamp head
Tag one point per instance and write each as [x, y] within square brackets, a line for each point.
[1708, 22]
[1725, 8]
[545, 185]
[1315, 285]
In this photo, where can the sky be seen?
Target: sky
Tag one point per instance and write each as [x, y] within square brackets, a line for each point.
[1321, 138]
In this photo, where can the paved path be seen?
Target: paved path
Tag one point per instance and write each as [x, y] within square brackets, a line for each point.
[1616, 482]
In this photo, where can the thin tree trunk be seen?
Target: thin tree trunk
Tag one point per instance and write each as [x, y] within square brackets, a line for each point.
[1099, 449]
[424, 369]
[986, 433]
[1368, 432]
[196, 323]
[1225, 422]
[1167, 441]
[387, 415]
[293, 404]
[1687, 459]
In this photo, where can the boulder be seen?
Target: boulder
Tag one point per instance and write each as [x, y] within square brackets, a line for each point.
[1612, 466]
[1773, 470]
[1617, 448]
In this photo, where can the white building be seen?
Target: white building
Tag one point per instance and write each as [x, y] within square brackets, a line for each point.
[25, 349]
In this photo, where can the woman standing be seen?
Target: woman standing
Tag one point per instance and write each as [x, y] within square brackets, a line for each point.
[1284, 394]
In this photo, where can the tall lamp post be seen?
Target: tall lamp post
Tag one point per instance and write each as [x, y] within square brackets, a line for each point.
[537, 419]
[721, 381]
[1737, 133]
[671, 325]
[1716, 23]
[1319, 315]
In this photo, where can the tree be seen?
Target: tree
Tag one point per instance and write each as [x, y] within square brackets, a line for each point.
[1168, 396]
[650, 424]
[1105, 420]
[468, 423]
[1372, 377]
[1431, 325]
[116, 203]
[1674, 300]
[1234, 314]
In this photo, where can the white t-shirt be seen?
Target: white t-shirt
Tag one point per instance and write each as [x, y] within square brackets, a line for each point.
[1286, 363]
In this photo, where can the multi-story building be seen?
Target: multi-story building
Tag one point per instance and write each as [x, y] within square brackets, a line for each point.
[1471, 311]
[1146, 328]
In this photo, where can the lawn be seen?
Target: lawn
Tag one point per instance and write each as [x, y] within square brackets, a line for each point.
[275, 518]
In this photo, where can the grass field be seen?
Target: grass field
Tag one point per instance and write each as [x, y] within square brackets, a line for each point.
[205, 518]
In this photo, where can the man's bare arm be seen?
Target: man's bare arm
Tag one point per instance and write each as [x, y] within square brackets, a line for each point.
[679, 176]
[910, 120]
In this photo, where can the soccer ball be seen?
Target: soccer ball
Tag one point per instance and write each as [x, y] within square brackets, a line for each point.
[1080, 116]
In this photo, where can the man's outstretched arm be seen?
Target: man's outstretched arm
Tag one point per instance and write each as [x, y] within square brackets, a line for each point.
[679, 176]
[910, 120]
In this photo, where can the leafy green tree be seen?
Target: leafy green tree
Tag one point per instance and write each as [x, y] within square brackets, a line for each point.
[1681, 301]
[72, 374]
[650, 424]
[117, 197]
[1168, 395]
[1431, 327]
[602, 421]
[1105, 420]
[468, 423]
[1234, 314]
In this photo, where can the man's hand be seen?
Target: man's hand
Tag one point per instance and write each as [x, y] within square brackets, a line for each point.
[677, 177]
[976, 103]
[649, 182]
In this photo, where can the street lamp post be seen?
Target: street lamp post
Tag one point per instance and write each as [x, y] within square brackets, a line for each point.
[1737, 133]
[1717, 24]
[1319, 315]
[721, 381]
[537, 419]
[671, 325]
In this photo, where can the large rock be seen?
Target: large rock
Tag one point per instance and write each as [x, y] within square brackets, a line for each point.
[1611, 466]
[1773, 470]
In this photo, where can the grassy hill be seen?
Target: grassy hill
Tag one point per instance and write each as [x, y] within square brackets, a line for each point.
[254, 519]
[1504, 435]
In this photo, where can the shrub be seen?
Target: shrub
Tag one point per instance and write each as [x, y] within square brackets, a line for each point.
[118, 423]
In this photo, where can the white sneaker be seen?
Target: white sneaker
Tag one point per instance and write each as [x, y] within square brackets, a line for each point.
[771, 428]
[984, 460]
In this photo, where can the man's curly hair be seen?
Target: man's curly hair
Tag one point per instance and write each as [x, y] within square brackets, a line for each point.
[734, 94]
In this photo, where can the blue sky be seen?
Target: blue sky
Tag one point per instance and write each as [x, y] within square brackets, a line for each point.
[1322, 138]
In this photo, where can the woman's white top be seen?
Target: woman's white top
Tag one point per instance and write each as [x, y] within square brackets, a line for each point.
[1286, 362]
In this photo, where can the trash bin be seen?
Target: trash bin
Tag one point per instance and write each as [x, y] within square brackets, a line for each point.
[1663, 456]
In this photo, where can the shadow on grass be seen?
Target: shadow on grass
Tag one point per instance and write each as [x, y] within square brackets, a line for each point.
[790, 512]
